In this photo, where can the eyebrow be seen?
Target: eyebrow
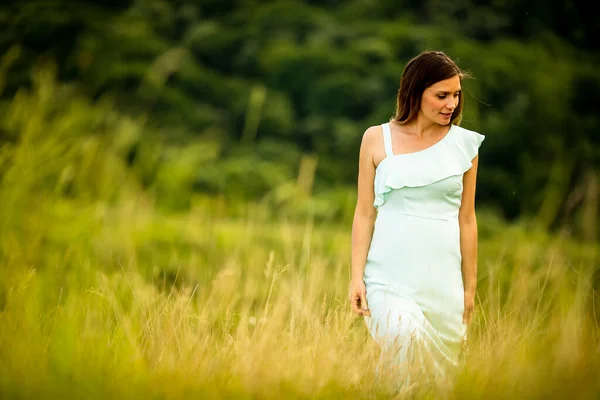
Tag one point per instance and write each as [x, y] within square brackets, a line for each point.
[440, 91]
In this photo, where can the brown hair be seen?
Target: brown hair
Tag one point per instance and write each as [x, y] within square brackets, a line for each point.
[421, 72]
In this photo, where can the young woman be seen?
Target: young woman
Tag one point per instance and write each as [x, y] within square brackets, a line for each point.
[414, 236]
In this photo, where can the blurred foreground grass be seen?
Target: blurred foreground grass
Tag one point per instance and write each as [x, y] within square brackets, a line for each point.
[102, 302]
[103, 295]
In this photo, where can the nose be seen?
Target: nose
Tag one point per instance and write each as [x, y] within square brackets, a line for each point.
[451, 105]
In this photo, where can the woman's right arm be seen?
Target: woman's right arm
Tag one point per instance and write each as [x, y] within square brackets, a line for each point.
[364, 220]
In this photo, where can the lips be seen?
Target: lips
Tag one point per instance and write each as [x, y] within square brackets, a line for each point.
[446, 115]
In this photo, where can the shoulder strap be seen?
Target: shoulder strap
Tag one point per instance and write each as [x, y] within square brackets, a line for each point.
[387, 139]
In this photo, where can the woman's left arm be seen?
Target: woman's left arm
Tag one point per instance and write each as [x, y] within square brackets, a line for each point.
[468, 239]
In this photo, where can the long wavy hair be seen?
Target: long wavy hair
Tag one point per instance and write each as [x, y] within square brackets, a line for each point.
[421, 72]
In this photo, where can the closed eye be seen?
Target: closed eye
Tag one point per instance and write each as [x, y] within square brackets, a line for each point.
[443, 96]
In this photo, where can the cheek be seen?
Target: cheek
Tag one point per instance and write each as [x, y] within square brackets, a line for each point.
[432, 104]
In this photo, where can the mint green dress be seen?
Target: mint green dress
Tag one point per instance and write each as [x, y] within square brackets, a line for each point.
[413, 272]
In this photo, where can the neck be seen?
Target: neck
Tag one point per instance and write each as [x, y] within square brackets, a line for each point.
[423, 128]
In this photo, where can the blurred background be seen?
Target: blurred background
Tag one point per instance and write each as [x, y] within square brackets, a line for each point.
[266, 101]
[164, 163]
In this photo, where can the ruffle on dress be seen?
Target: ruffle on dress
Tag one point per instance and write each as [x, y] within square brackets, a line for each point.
[451, 156]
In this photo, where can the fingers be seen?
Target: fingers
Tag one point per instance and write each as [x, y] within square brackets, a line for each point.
[355, 305]
[364, 305]
[359, 304]
[359, 308]
[467, 315]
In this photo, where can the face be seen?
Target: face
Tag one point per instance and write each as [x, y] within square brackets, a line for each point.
[439, 100]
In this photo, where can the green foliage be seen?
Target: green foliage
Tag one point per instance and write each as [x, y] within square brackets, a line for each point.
[315, 75]
[55, 141]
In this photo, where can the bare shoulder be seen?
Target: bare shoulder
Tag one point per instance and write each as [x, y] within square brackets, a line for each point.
[372, 136]
[372, 132]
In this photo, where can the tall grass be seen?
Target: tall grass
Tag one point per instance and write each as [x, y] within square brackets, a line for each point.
[103, 295]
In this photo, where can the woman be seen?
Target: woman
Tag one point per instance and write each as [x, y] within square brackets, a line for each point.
[414, 235]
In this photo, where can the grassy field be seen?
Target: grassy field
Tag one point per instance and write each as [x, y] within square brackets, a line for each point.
[123, 301]
[103, 295]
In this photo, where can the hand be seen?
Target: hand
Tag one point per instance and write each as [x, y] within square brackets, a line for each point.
[469, 307]
[358, 298]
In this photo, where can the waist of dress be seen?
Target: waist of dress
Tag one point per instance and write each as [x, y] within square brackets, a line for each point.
[450, 216]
